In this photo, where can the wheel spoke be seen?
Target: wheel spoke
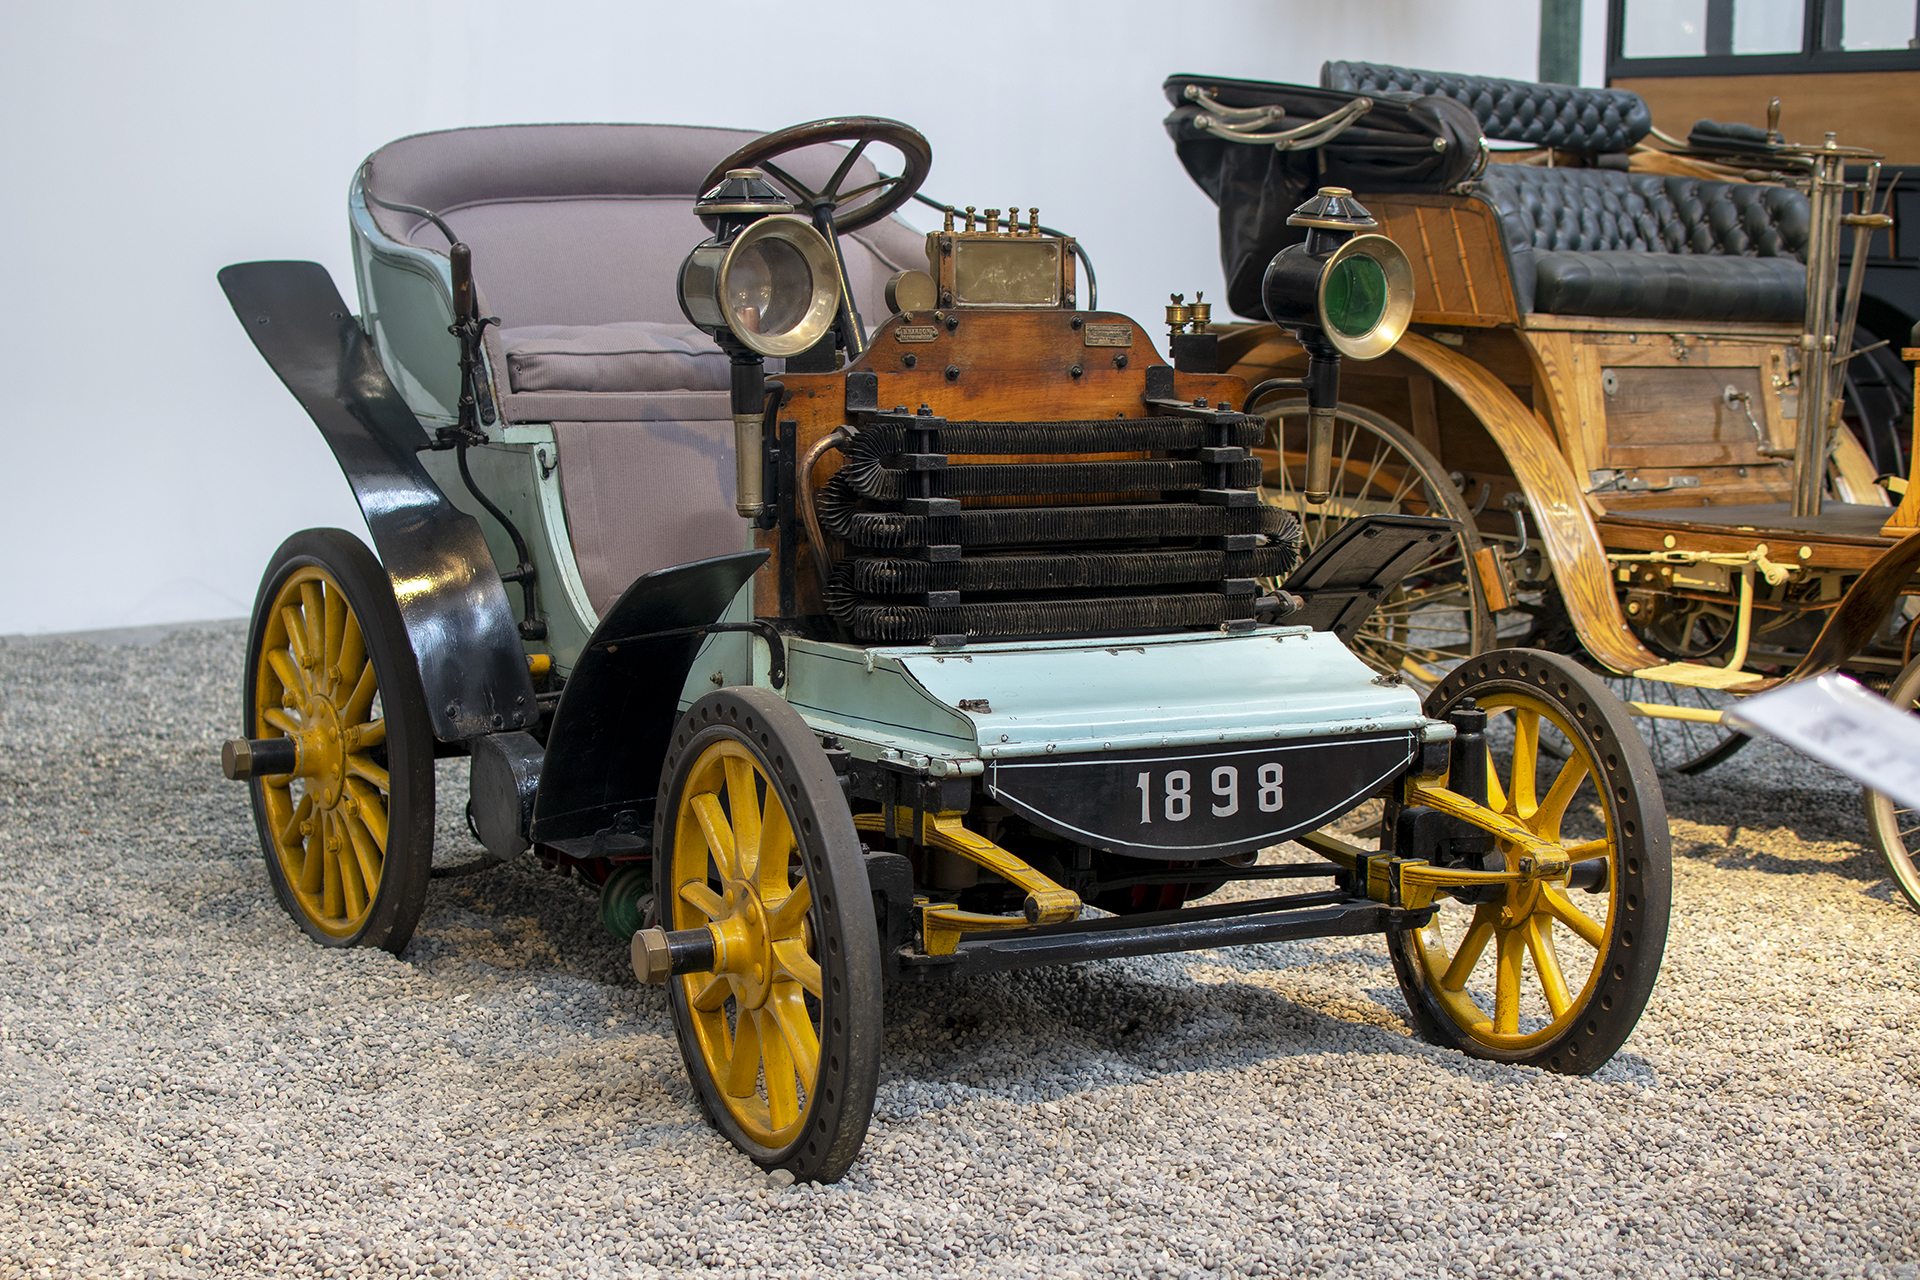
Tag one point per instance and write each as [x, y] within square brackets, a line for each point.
[703, 899]
[283, 720]
[331, 898]
[743, 1068]
[1509, 950]
[355, 886]
[785, 920]
[293, 677]
[1471, 946]
[335, 630]
[313, 848]
[719, 835]
[313, 609]
[1546, 963]
[362, 766]
[848, 197]
[360, 701]
[352, 656]
[1547, 818]
[783, 1089]
[708, 992]
[743, 808]
[776, 855]
[288, 838]
[1496, 794]
[1574, 918]
[296, 629]
[361, 736]
[370, 808]
[793, 958]
[1526, 752]
[788, 1009]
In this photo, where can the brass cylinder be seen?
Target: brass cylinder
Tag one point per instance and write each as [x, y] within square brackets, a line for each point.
[1319, 482]
[748, 497]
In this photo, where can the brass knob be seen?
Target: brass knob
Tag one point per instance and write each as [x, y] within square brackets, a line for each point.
[1202, 313]
[969, 217]
[1033, 221]
[993, 221]
[948, 224]
[1178, 313]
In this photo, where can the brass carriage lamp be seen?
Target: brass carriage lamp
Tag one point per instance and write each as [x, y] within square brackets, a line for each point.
[1339, 293]
[764, 284]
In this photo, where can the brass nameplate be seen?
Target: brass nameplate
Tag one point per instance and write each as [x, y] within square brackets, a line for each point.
[916, 333]
[1109, 335]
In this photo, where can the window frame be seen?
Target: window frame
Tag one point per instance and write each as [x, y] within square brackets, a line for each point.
[1811, 58]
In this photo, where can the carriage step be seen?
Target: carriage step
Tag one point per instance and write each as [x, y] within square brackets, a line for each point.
[1698, 675]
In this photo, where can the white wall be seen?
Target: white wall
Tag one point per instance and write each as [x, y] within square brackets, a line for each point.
[153, 461]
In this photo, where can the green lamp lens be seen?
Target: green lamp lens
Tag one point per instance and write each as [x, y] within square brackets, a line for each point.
[1354, 298]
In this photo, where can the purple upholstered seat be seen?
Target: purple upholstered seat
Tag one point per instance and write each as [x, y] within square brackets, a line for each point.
[578, 232]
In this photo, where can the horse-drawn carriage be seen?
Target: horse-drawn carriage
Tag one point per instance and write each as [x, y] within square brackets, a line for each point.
[1626, 376]
[938, 650]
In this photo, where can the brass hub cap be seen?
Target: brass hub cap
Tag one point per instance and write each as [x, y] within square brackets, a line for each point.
[735, 870]
[315, 683]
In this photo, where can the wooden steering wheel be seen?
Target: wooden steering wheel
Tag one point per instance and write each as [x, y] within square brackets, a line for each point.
[882, 196]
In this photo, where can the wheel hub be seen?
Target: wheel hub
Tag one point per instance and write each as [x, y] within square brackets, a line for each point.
[323, 756]
[743, 951]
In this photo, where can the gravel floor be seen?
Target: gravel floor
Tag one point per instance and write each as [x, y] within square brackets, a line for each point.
[188, 1087]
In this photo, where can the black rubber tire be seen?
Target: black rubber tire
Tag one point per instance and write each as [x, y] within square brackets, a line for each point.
[1894, 830]
[407, 753]
[846, 940]
[1620, 979]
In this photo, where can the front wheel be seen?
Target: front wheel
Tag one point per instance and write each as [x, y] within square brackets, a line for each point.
[1894, 828]
[1541, 972]
[348, 836]
[753, 841]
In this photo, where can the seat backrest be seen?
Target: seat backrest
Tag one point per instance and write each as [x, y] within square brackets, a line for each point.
[1572, 117]
[579, 224]
[1588, 210]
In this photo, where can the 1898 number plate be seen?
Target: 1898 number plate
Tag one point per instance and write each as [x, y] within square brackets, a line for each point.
[1199, 803]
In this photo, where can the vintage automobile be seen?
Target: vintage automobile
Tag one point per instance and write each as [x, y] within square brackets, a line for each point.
[940, 652]
[1618, 378]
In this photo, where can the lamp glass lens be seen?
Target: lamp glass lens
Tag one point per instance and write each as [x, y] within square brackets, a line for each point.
[1355, 296]
[769, 288]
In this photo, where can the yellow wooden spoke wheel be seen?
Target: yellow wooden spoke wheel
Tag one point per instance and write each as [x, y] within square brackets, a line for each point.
[754, 843]
[348, 835]
[1554, 971]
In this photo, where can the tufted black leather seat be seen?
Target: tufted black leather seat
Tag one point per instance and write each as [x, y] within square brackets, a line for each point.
[1542, 115]
[1598, 242]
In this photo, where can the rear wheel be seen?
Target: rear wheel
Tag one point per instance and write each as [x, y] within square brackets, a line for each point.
[1438, 614]
[348, 836]
[754, 842]
[1543, 973]
[1894, 828]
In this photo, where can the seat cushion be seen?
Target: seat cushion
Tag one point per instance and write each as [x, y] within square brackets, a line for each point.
[1668, 286]
[1543, 115]
[628, 355]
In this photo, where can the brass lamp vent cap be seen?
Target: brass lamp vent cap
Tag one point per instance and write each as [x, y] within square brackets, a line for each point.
[742, 191]
[1335, 209]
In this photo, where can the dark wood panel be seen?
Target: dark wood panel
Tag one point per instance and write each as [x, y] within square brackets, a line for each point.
[1679, 417]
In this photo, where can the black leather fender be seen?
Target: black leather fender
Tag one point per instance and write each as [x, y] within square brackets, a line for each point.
[621, 699]
[455, 608]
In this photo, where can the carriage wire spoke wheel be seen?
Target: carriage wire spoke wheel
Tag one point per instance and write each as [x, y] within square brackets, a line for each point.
[1684, 746]
[782, 1036]
[348, 836]
[1894, 828]
[1551, 973]
[1438, 614]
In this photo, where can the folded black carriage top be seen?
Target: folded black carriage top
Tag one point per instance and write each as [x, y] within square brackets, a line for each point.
[1590, 240]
